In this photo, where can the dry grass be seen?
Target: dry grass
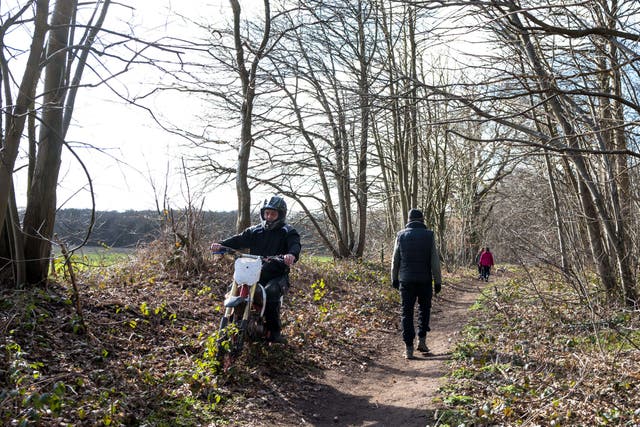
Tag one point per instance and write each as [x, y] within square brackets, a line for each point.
[537, 354]
[534, 355]
[147, 356]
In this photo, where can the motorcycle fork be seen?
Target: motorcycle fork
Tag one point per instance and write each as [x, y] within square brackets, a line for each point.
[228, 311]
[247, 307]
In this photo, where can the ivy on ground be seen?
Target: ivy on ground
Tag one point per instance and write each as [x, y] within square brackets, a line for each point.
[538, 354]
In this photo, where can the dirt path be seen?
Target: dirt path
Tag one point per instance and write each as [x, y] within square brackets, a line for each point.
[390, 390]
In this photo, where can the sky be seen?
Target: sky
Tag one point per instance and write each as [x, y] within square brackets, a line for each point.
[136, 151]
[129, 151]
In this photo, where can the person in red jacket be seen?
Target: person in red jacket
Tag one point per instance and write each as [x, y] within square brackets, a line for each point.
[486, 262]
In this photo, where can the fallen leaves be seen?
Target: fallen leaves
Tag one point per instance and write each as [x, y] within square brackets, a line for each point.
[546, 358]
[146, 356]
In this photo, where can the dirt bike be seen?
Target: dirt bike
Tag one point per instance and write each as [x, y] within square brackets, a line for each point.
[244, 307]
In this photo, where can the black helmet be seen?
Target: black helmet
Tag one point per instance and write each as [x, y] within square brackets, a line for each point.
[276, 203]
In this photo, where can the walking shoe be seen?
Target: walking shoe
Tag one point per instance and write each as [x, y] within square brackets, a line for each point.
[422, 345]
[408, 352]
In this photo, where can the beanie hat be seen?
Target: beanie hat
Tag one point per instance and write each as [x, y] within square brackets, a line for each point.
[415, 215]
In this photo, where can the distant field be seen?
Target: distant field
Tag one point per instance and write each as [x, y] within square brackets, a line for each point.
[96, 256]
[100, 250]
[319, 258]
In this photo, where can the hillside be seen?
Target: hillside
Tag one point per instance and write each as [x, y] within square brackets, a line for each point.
[131, 229]
[139, 355]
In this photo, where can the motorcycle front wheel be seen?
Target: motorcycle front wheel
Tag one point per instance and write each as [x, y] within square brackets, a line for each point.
[231, 338]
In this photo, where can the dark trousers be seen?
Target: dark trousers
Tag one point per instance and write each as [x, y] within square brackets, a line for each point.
[486, 270]
[410, 292]
[275, 289]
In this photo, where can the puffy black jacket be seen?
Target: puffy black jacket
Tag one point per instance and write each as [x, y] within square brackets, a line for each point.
[280, 241]
[415, 257]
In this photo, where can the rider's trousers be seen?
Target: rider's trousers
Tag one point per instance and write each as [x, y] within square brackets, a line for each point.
[275, 288]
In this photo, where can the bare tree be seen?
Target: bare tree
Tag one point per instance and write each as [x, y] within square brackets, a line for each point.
[566, 110]
[14, 121]
[41, 205]
[327, 91]
[247, 73]
[569, 100]
[227, 74]
[310, 115]
[75, 42]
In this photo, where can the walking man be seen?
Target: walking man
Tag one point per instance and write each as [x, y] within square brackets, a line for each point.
[414, 268]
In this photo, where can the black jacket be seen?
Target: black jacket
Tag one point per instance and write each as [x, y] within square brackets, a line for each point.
[281, 241]
[415, 256]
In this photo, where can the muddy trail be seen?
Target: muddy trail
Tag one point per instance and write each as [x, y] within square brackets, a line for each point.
[386, 389]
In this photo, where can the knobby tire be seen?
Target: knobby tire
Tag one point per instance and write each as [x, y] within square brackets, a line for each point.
[228, 355]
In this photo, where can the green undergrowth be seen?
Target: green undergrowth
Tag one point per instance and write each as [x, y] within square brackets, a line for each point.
[536, 353]
[147, 355]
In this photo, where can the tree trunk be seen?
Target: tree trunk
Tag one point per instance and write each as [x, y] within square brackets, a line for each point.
[41, 205]
[248, 79]
[613, 225]
[365, 109]
[14, 124]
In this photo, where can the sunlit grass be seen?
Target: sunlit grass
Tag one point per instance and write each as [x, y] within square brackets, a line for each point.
[317, 259]
[92, 257]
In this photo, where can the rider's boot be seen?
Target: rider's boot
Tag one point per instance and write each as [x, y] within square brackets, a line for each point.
[272, 318]
[422, 345]
[278, 338]
[408, 352]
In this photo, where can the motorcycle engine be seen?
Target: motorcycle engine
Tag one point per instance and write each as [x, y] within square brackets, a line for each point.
[255, 329]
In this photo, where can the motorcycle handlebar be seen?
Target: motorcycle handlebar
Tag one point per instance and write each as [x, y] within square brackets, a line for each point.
[227, 250]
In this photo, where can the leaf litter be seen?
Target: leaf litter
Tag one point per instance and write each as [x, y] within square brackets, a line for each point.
[520, 357]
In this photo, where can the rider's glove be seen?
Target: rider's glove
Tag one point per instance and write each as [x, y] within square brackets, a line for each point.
[395, 284]
[438, 287]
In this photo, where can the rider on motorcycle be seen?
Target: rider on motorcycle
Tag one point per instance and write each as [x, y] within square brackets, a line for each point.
[273, 236]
